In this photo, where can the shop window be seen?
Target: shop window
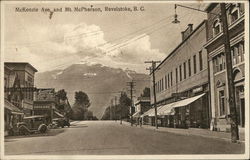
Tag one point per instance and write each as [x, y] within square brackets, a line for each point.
[222, 103]
[194, 60]
[216, 27]
[184, 68]
[189, 67]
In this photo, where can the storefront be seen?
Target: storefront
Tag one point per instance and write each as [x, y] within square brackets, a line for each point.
[12, 115]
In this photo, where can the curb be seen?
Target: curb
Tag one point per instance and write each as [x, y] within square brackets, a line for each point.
[187, 134]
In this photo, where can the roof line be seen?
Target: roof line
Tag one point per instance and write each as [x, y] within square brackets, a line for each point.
[171, 53]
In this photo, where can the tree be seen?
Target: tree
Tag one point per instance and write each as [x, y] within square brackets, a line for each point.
[82, 98]
[146, 92]
[80, 107]
[61, 94]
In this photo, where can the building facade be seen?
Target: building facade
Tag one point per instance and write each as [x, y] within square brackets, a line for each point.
[183, 75]
[26, 73]
[142, 105]
[45, 104]
[13, 100]
[217, 67]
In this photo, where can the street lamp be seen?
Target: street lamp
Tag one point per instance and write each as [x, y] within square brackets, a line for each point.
[229, 68]
[175, 21]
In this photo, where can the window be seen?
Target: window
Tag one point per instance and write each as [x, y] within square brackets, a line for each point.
[171, 79]
[168, 81]
[184, 68]
[162, 84]
[216, 27]
[180, 73]
[241, 51]
[176, 75]
[200, 60]
[219, 63]
[234, 13]
[222, 103]
[189, 67]
[194, 59]
[165, 81]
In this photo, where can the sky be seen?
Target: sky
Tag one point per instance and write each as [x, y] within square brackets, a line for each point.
[118, 39]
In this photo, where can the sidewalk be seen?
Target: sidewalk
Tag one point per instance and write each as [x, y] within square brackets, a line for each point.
[195, 131]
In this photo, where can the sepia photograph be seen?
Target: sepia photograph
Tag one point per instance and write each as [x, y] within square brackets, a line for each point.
[124, 79]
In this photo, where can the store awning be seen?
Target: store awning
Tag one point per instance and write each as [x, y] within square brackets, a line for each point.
[12, 108]
[148, 112]
[136, 114]
[187, 101]
[168, 109]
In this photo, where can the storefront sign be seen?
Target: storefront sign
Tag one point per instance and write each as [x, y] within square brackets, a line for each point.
[199, 89]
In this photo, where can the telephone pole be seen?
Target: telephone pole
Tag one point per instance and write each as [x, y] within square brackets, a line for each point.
[115, 108]
[152, 70]
[121, 110]
[110, 109]
[229, 71]
[131, 85]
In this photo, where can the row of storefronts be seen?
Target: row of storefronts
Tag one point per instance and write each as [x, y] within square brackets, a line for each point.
[191, 87]
[22, 99]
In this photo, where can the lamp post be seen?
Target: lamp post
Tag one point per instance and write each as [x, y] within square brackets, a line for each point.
[229, 68]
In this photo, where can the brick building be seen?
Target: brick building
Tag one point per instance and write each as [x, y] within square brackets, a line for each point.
[217, 68]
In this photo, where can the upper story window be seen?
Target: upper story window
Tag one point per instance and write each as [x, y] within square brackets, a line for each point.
[219, 63]
[166, 82]
[194, 60]
[171, 79]
[234, 12]
[189, 67]
[216, 27]
[237, 52]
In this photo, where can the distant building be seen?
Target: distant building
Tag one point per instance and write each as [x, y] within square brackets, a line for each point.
[45, 103]
[26, 73]
[217, 66]
[142, 105]
[182, 82]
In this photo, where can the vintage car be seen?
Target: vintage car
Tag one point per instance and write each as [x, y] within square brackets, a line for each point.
[60, 122]
[32, 124]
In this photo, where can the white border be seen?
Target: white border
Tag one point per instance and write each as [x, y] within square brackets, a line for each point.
[201, 156]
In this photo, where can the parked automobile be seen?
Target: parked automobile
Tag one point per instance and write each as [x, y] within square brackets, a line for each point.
[32, 124]
[60, 122]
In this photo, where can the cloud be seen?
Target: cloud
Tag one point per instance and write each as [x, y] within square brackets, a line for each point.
[63, 45]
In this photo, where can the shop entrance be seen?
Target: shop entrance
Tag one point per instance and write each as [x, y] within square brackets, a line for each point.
[242, 114]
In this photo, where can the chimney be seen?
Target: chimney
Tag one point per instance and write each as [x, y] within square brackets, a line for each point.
[187, 32]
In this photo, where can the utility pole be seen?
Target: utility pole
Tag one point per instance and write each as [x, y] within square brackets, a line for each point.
[110, 109]
[115, 108]
[121, 110]
[131, 85]
[229, 71]
[152, 70]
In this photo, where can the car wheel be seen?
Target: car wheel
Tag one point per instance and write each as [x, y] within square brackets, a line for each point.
[42, 128]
